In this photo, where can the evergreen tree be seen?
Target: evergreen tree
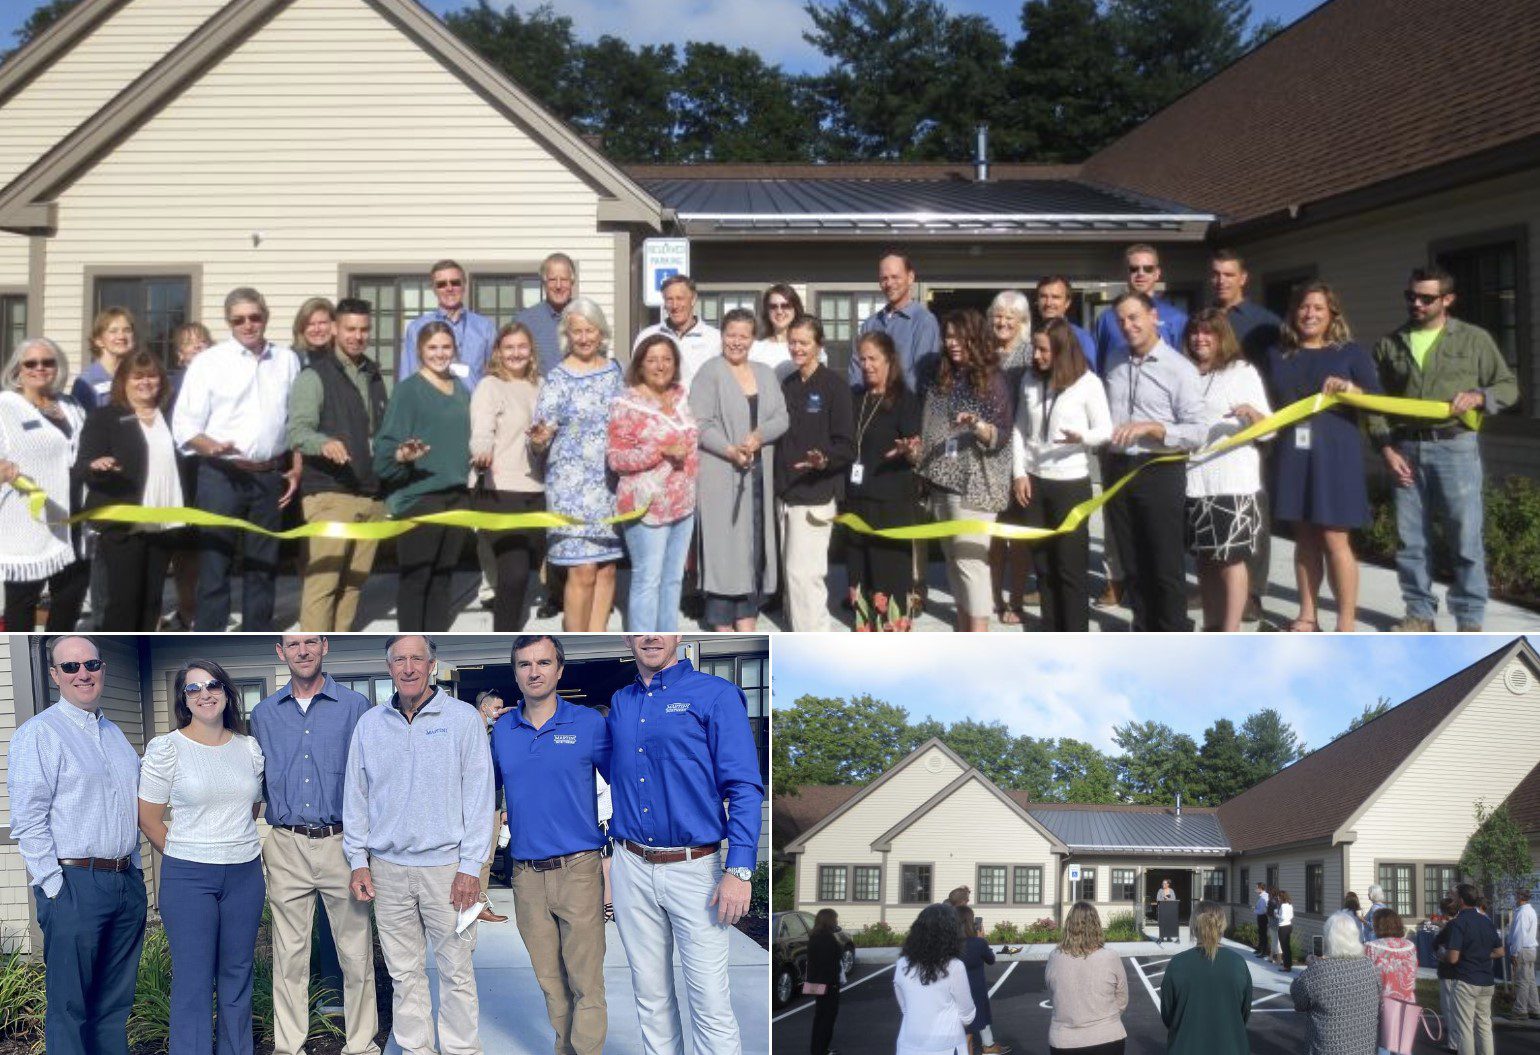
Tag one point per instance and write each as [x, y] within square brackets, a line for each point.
[1269, 743]
[1223, 771]
[1081, 773]
[1157, 763]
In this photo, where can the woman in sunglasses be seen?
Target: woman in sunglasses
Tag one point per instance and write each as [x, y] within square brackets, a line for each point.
[779, 307]
[212, 890]
[39, 437]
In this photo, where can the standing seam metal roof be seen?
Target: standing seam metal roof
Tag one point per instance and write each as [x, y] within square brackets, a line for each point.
[1155, 832]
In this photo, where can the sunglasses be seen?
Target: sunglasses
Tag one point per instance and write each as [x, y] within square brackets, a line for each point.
[449, 283]
[40, 364]
[198, 688]
[1143, 269]
[778, 305]
[1424, 299]
[73, 666]
[247, 320]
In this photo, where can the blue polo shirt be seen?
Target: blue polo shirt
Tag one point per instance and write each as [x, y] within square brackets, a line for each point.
[1109, 335]
[306, 754]
[1475, 937]
[682, 745]
[474, 337]
[1256, 330]
[547, 775]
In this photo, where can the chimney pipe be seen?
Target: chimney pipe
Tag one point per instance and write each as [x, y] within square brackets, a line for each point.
[1178, 803]
[981, 154]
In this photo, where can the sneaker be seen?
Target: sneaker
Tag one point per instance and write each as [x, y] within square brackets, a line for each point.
[1413, 624]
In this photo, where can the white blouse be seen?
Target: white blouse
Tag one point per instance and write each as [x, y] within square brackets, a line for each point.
[935, 1016]
[1237, 471]
[1043, 415]
[162, 482]
[211, 791]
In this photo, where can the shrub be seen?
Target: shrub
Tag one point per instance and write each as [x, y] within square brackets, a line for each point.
[22, 995]
[1122, 927]
[783, 892]
[1005, 934]
[759, 889]
[1245, 933]
[877, 935]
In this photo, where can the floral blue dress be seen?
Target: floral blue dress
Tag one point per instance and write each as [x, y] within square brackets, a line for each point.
[577, 481]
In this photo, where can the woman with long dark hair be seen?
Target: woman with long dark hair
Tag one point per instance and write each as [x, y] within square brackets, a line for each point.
[209, 772]
[932, 986]
[823, 968]
[779, 307]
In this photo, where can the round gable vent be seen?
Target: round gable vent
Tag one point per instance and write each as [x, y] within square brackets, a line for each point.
[934, 762]
[1517, 679]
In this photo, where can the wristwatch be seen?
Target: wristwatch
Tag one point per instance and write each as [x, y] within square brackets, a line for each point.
[744, 874]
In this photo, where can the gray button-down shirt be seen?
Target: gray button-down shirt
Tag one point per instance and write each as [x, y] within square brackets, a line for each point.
[1161, 385]
[544, 321]
[306, 751]
[74, 785]
[917, 337]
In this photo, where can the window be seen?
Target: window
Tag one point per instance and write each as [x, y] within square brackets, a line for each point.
[791, 927]
[160, 304]
[1084, 889]
[1488, 281]
[13, 322]
[914, 885]
[1272, 878]
[712, 304]
[831, 882]
[1027, 885]
[842, 314]
[1315, 888]
[748, 673]
[1214, 884]
[249, 693]
[866, 883]
[1122, 886]
[1244, 891]
[991, 884]
[376, 688]
[1437, 880]
[501, 297]
[1279, 288]
[1397, 883]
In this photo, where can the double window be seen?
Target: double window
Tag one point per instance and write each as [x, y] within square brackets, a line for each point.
[831, 882]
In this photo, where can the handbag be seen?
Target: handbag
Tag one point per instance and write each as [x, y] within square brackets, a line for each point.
[1399, 1020]
[814, 988]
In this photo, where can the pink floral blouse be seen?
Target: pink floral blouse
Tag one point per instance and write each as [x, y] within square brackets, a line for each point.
[1396, 959]
[639, 430]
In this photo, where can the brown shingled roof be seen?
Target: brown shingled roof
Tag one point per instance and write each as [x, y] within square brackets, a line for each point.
[1524, 803]
[1312, 798]
[791, 815]
[1355, 93]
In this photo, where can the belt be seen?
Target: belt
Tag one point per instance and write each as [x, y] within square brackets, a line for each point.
[313, 831]
[246, 465]
[551, 864]
[99, 864]
[1431, 435]
[669, 857]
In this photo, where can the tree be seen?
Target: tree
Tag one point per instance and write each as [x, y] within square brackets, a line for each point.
[1157, 762]
[1223, 771]
[1081, 773]
[1269, 743]
[985, 746]
[1031, 767]
[731, 106]
[38, 21]
[819, 740]
[1070, 91]
[630, 98]
[1370, 712]
[1497, 856]
[538, 52]
[1170, 46]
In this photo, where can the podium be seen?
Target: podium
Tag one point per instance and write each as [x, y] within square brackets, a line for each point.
[1168, 919]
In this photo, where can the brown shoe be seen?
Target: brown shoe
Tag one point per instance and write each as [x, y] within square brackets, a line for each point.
[997, 1049]
[1111, 597]
[488, 916]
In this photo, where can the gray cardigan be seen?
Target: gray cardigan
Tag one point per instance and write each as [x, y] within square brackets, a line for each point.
[724, 506]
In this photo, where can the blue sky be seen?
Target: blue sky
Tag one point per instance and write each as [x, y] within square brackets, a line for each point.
[772, 27]
[1082, 685]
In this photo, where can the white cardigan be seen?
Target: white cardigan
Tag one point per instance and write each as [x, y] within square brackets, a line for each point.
[1237, 471]
[1082, 408]
[29, 549]
[935, 1016]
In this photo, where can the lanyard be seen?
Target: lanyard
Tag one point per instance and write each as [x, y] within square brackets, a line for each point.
[866, 419]
[1047, 406]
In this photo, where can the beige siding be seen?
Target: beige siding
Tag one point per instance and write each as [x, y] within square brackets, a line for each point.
[98, 67]
[1291, 878]
[8, 725]
[1108, 908]
[1396, 829]
[342, 145]
[15, 909]
[15, 272]
[1367, 257]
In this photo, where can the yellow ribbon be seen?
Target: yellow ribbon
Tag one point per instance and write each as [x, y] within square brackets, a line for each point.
[379, 530]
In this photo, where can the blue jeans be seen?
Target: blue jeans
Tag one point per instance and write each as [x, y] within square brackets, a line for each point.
[657, 572]
[211, 913]
[1446, 489]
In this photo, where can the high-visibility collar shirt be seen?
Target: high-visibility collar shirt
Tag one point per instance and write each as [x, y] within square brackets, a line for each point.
[682, 745]
[547, 774]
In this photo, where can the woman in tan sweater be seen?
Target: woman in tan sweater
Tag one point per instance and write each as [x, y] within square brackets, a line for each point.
[1089, 989]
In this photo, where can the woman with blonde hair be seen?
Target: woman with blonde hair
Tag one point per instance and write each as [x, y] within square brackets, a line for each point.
[1340, 992]
[1205, 995]
[1088, 988]
[1319, 482]
[315, 328]
[114, 336]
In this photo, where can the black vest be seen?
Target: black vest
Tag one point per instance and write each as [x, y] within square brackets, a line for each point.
[344, 417]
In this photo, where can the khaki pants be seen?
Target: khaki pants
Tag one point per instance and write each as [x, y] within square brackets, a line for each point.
[486, 866]
[411, 908]
[1525, 1001]
[1473, 1007]
[299, 868]
[337, 568]
[805, 533]
[560, 914]
[967, 557]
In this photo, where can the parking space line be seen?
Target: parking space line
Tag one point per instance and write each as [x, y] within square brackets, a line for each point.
[1154, 996]
[1003, 977]
[843, 989]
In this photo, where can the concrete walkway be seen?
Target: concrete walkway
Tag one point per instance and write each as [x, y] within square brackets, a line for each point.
[513, 1019]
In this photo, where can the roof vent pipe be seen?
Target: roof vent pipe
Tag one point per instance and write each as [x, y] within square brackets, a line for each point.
[1178, 803]
[981, 154]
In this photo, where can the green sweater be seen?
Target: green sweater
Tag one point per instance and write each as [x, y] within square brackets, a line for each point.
[417, 410]
[1205, 1003]
[1464, 358]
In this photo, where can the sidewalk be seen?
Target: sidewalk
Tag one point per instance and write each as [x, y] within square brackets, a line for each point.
[513, 1015]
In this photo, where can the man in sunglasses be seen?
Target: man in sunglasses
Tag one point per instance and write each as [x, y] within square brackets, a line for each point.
[1143, 277]
[73, 780]
[233, 414]
[474, 334]
[1437, 467]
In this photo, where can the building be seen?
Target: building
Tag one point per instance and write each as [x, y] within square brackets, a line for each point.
[141, 671]
[1390, 803]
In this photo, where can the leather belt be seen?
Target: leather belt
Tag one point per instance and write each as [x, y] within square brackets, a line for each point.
[313, 831]
[551, 864]
[1431, 435]
[246, 465]
[669, 857]
[99, 864]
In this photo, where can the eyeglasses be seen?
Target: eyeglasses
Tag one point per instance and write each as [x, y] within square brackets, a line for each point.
[73, 666]
[198, 688]
[449, 283]
[40, 364]
[1143, 269]
[779, 305]
[1424, 299]
[247, 320]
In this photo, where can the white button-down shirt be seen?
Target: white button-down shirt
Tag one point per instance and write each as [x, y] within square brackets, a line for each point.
[236, 396]
[1521, 932]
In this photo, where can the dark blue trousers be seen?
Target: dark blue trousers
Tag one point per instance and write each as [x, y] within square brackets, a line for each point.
[211, 913]
[93, 930]
[250, 496]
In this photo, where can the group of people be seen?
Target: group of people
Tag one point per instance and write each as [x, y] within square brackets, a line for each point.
[720, 458]
[388, 807]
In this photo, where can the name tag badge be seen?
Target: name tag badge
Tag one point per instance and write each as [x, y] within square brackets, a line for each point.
[460, 370]
[103, 388]
[951, 447]
[32, 424]
[1302, 437]
[857, 474]
[815, 403]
